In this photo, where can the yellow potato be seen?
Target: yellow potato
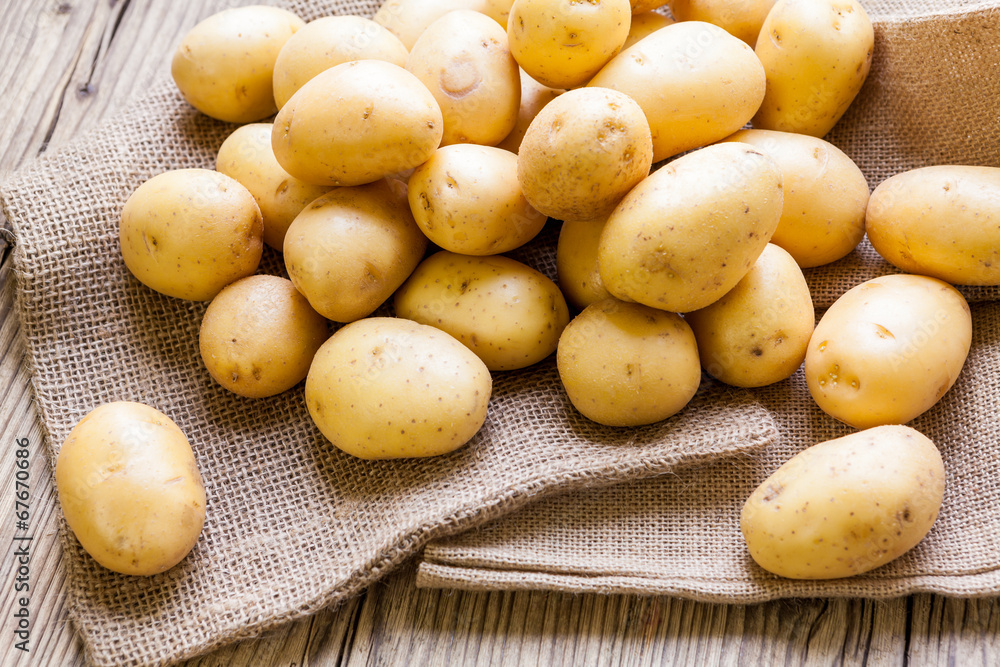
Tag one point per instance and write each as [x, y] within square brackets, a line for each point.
[356, 123]
[695, 82]
[740, 18]
[563, 43]
[507, 313]
[534, 97]
[643, 25]
[464, 61]
[625, 364]
[130, 488]
[823, 216]
[246, 156]
[757, 333]
[467, 199]
[407, 19]
[188, 233]
[576, 262]
[817, 54]
[224, 65]
[259, 335]
[687, 234]
[583, 152]
[940, 221]
[349, 250]
[645, 6]
[887, 350]
[846, 506]
[327, 42]
[387, 388]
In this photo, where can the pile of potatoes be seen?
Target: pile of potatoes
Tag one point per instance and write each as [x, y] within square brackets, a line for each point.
[408, 152]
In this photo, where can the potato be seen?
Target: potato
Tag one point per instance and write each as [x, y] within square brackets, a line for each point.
[356, 123]
[327, 42]
[563, 43]
[259, 335]
[507, 313]
[645, 6]
[740, 18]
[940, 221]
[625, 364]
[386, 388]
[846, 506]
[817, 54]
[534, 97]
[576, 262]
[687, 234]
[464, 61]
[643, 25]
[695, 82]
[188, 233]
[130, 488]
[823, 215]
[583, 152]
[246, 156]
[349, 250]
[467, 199]
[757, 333]
[407, 19]
[224, 65]
[888, 349]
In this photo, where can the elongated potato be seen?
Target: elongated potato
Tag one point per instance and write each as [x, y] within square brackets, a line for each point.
[576, 262]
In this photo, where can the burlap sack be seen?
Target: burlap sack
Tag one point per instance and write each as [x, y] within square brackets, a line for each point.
[933, 97]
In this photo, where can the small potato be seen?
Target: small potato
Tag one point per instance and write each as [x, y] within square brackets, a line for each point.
[356, 123]
[225, 64]
[817, 54]
[823, 215]
[687, 234]
[583, 152]
[507, 313]
[563, 43]
[386, 388]
[188, 233]
[645, 6]
[695, 82]
[645, 24]
[259, 335]
[327, 42]
[757, 333]
[740, 18]
[464, 61]
[130, 488]
[887, 350]
[846, 506]
[408, 19]
[940, 221]
[625, 364]
[576, 262]
[246, 156]
[534, 97]
[467, 199]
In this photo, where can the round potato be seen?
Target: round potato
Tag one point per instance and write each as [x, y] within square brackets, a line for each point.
[823, 215]
[814, 517]
[349, 250]
[534, 97]
[507, 313]
[757, 333]
[695, 82]
[740, 18]
[356, 123]
[246, 156]
[687, 234]
[887, 350]
[386, 388]
[464, 61]
[816, 54]
[583, 152]
[130, 488]
[225, 64]
[467, 199]
[563, 43]
[625, 364]
[645, 24]
[327, 42]
[940, 221]
[259, 335]
[188, 233]
[408, 19]
[576, 262]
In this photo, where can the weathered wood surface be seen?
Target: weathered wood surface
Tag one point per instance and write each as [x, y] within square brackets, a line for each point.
[67, 64]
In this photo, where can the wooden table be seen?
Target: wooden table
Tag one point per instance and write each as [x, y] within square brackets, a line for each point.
[67, 64]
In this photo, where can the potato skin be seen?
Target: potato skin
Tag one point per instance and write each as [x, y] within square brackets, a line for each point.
[643, 25]
[386, 388]
[846, 506]
[130, 488]
[408, 19]
[576, 262]
[740, 18]
[888, 349]
[534, 97]
[940, 221]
